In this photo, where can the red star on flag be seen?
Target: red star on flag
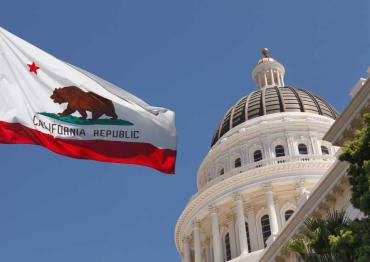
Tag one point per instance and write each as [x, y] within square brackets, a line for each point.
[33, 68]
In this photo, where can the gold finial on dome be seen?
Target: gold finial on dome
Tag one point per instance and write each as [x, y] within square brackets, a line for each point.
[266, 56]
[265, 52]
[268, 72]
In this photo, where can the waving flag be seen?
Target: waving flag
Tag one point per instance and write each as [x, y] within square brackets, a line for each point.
[45, 101]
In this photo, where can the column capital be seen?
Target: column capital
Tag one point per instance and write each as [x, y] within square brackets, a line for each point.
[238, 196]
[196, 222]
[267, 187]
[301, 181]
[212, 208]
[185, 240]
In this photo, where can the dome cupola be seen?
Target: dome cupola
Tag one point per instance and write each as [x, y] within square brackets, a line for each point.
[268, 72]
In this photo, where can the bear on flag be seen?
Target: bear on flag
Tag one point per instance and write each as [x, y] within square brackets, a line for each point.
[48, 102]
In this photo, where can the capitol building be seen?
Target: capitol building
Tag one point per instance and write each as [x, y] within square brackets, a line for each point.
[272, 162]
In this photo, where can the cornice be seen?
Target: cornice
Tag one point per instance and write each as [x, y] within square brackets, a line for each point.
[337, 132]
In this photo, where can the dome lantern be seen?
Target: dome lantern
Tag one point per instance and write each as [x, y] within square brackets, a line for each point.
[268, 72]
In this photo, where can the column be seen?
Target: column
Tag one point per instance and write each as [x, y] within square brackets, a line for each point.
[208, 251]
[251, 217]
[265, 77]
[217, 246]
[185, 242]
[232, 235]
[272, 77]
[277, 207]
[302, 189]
[241, 224]
[271, 209]
[303, 192]
[281, 80]
[278, 77]
[259, 81]
[197, 247]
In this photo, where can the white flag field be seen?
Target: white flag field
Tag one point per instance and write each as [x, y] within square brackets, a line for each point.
[45, 101]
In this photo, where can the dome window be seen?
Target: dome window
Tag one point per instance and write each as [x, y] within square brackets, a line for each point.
[266, 230]
[324, 150]
[257, 155]
[288, 214]
[279, 151]
[237, 162]
[227, 247]
[302, 149]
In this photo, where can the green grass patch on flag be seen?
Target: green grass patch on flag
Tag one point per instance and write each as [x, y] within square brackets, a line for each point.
[79, 121]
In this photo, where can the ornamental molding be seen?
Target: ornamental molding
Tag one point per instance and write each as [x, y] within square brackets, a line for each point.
[249, 179]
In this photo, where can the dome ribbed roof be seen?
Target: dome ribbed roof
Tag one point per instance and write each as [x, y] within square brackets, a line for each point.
[272, 100]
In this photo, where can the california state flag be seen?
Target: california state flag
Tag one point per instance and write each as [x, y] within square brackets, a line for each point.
[45, 101]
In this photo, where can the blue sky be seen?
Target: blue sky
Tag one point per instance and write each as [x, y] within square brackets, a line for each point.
[194, 57]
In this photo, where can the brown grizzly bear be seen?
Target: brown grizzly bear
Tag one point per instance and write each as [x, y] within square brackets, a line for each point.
[81, 101]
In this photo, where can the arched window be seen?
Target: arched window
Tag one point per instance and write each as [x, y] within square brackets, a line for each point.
[248, 238]
[288, 214]
[257, 155]
[302, 149]
[279, 151]
[237, 162]
[227, 247]
[222, 171]
[324, 150]
[266, 230]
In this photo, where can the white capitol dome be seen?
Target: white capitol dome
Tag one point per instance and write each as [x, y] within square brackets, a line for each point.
[267, 154]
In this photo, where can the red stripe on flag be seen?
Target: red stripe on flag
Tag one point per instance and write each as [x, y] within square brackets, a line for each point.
[101, 150]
